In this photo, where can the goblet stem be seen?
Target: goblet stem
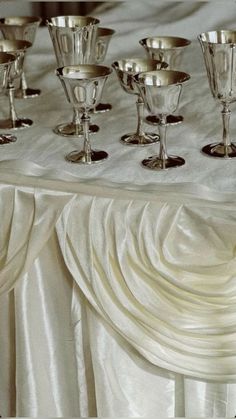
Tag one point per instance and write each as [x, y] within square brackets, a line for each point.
[163, 160]
[76, 121]
[163, 156]
[13, 122]
[24, 91]
[23, 83]
[7, 138]
[226, 112]
[87, 146]
[140, 112]
[13, 114]
[140, 138]
[225, 148]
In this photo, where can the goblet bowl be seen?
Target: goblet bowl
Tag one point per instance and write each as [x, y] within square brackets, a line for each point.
[165, 48]
[161, 91]
[21, 28]
[74, 39]
[104, 36]
[83, 85]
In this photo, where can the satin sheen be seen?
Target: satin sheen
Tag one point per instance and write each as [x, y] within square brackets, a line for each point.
[117, 297]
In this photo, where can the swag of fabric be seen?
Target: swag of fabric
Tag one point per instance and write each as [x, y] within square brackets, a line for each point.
[161, 271]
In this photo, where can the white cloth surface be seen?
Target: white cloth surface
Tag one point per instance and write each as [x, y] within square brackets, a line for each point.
[118, 284]
[132, 21]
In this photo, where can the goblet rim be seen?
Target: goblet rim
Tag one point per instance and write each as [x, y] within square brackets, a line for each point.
[184, 42]
[216, 32]
[134, 60]
[82, 69]
[104, 32]
[93, 21]
[6, 58]
[179, 77]
[20, 45]
[26, 20]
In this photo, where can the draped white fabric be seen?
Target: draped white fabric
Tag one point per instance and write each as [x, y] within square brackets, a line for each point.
[117, 284]
[157, 273]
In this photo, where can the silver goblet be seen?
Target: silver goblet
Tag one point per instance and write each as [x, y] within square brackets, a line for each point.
[125, 70]
[6, 62]
[169, 49]
[74, 41]
[18, 49]
[161, 94]
[83, 85]
[218, 48]
[104, 36]
[21, 28]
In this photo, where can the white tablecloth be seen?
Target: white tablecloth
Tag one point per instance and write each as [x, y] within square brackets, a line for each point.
[123, 280]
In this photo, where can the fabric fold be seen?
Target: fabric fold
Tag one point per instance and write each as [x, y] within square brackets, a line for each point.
[174, 299]
[28, 217]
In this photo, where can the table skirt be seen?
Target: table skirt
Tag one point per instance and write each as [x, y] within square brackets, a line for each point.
[93, 323]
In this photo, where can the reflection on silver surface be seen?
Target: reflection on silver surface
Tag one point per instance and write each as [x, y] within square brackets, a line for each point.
[6, 63]
[21, 28]
[74, 41]
[166, 48]
[104, 36]
[18, 49]
[83, 85]
[169, 49]
[125, 70]
[218, 49]
[160, 91]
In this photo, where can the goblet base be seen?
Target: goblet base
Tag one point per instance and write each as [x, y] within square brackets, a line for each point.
[80, 157]
[170, 120]
[102, 107]
[20, 123]
[27, 93]
[220, 150]
[140, 140]
[7, 138]
[157, 164]
[72, 130]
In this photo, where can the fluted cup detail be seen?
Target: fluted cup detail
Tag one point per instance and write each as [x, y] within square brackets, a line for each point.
[104, 36]
[74, 39]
